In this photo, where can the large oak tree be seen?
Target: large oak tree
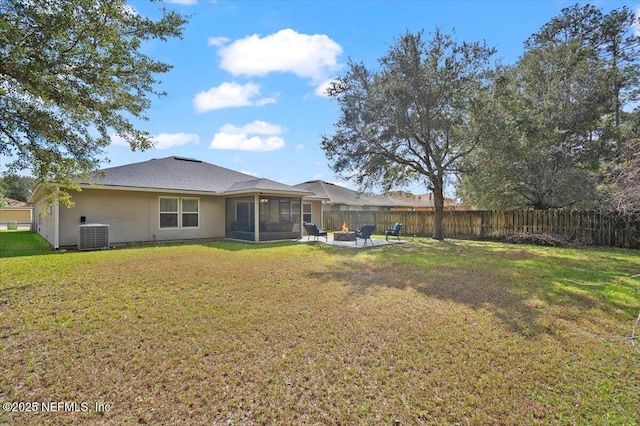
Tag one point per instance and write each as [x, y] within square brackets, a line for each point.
[73, 72]
[414, 118]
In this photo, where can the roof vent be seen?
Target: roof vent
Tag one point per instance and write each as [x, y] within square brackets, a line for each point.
[193, 160]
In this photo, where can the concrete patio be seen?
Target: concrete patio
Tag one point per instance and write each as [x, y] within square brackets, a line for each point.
[377, 242]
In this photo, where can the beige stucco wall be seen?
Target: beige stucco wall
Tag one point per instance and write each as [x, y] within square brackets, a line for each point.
[19, 215]
[135, 216]
[316, 213]
[44, 221]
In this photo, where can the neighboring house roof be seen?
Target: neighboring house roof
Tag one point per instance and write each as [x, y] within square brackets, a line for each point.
[423, 200]
[336, 194]
[184, 174]
[10, 203]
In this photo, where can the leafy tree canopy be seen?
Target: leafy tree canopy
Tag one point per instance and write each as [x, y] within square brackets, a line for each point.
[17, 187]
[415, 117]
[561, 116]
[71, 73]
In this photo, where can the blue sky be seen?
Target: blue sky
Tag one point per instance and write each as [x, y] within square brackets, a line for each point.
[245, 88]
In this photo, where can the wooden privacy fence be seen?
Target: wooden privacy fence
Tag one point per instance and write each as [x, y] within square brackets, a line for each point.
[580, 226]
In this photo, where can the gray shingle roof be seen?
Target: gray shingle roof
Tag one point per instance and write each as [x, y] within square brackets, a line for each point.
[260, 185]
[340, 195]
[185, 174]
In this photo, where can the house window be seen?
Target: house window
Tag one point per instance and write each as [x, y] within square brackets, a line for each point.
[168, 212]
[190, 212]
[306, 212]
[179, 212]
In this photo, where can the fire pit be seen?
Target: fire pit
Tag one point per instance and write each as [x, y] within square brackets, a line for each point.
[344, 235]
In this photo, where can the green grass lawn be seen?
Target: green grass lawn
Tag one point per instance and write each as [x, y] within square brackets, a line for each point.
[22, 243]
[454, 332]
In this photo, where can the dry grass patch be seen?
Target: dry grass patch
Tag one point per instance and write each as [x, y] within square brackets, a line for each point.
[230, 333]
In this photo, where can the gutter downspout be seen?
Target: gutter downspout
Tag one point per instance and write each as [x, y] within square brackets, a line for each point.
[56, 225]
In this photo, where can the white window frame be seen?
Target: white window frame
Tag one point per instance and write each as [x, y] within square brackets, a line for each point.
[179, 212]
[176, 212]
[182, 212]
[310, 212]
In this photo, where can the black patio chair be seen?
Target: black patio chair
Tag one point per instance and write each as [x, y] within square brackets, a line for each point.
[313, 230]
[395, 232]
[365, 233]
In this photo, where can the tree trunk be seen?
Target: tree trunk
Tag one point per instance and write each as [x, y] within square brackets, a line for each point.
[438, 218]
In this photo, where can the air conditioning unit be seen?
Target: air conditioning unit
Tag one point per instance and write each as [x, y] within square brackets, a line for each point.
[93, 237]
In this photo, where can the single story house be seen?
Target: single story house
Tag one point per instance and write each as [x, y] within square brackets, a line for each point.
[16, 211]
[178, 198]
[338, 198]
[424, 202]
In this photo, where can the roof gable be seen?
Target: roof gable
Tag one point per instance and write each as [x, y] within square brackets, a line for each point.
[261, 184]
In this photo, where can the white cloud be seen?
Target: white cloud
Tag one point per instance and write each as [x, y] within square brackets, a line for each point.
[257, 127]
[256, 136]
[169, 140]
[230, 95]
[250, 173]
[118, 140]
[217, 41]
[299, 147]
[163, 140]
[307, 56]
